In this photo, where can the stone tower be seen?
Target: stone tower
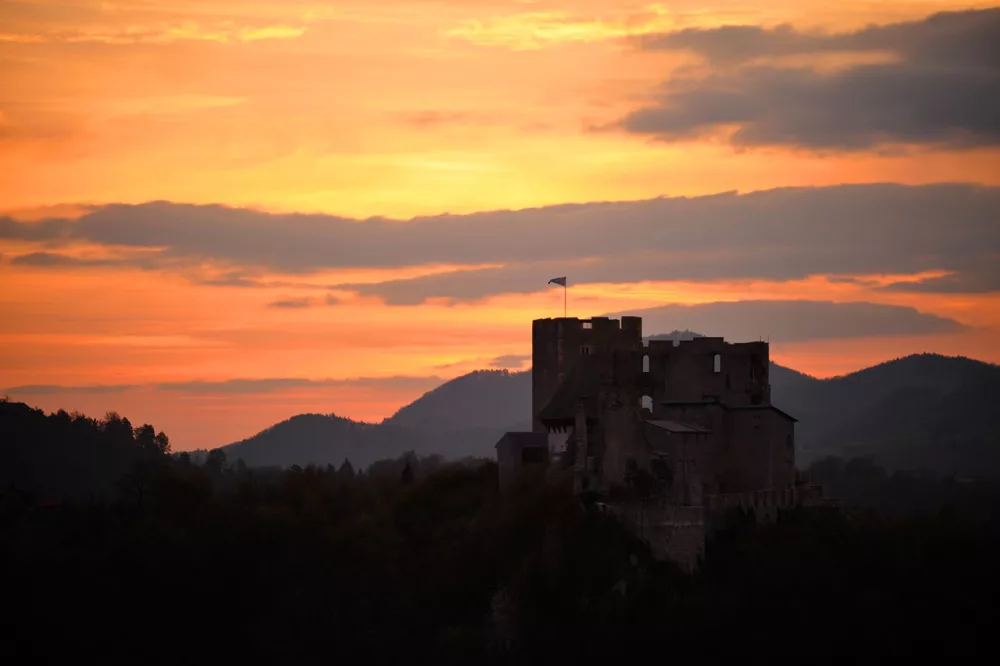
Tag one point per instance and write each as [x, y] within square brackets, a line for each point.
[557, 344]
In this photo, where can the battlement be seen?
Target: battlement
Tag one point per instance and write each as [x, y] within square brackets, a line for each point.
[631, 327]
[734, 373]
[778, 498]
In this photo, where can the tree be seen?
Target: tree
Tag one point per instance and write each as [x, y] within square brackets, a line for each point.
[346, 470]
[216, 461]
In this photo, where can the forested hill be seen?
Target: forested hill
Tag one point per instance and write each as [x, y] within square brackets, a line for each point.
[326, 439]
[922, 411]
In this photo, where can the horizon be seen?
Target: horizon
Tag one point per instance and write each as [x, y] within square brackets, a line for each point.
[28, 392]
[273, 209]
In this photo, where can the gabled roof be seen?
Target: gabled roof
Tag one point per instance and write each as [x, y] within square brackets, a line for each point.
[678, 427]
[524, 439]
[705, 403]
[762, 407]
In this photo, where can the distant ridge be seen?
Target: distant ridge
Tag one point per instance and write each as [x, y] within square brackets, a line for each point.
[483, 399]
[922, 411]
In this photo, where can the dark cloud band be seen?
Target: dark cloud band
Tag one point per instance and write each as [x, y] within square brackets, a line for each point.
[793, 321]
[776, 235]
[943, 89]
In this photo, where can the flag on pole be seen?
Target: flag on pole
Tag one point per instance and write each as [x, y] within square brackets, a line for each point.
[561, 281]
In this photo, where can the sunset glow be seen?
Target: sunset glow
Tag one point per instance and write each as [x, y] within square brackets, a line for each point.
[373, 117]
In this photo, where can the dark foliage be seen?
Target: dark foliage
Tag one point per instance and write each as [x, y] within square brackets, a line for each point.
[417, 561]
[58, 456]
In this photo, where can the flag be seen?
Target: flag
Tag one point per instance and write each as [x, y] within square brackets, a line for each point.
[561, 281]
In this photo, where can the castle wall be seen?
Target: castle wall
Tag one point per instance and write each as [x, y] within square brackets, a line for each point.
[517, 452]
[759, 452]
[688, 372]
[622, 437]
[673, 532]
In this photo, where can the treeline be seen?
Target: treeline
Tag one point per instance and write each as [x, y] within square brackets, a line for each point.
[415, 560]
[860, 483]
[59, 456]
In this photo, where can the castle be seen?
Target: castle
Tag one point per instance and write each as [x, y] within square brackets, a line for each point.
[665, 434]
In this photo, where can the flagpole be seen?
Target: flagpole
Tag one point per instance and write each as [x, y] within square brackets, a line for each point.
[564, 301]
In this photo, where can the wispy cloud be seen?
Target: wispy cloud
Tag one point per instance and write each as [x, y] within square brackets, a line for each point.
[234, 386]
[47, 389]
[510, 361]
[535, 30]
[292, 303]
[271, 385]
[225, 32]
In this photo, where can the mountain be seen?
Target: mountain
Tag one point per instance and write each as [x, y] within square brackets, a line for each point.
[462, 417]
[923, 411]
[324, 439]
[490, 399]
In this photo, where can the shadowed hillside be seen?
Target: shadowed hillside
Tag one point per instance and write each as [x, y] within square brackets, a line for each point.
[921, 411]
[323, 439]
[491, 399]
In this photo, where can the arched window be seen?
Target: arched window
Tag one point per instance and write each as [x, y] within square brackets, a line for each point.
[717, 363]
[645, 363]
[647, 402]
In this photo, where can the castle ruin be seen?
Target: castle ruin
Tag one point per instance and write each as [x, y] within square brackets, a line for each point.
[665, 434]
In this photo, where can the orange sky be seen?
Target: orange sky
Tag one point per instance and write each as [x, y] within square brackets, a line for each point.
[381, 108]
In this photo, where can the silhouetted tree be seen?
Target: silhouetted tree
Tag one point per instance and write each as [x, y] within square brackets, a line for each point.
[346, 471]
[215, 462]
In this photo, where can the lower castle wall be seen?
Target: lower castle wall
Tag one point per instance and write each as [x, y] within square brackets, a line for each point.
[678, 532]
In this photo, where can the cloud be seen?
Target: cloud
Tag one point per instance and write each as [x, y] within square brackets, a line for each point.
[49, 389]
[237, 386]
[942, 90]
[780, 234]
[49, 229]
[427, 119]
[291, 303]
[229, 279]
[510, 361]
[981, 279]
[272, 385]
[793, 321]
[535, 30]
[56, 260]
[962, 38]
[222, 32]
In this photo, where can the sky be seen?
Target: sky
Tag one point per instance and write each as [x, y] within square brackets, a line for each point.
[216, 214]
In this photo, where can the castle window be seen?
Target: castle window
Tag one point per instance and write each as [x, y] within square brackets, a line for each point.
[588, 325]
[646, 402]
[645, 363]
[584, 350]
[717, 363]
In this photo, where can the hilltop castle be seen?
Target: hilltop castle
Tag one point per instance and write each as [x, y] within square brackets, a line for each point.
[665, 433]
